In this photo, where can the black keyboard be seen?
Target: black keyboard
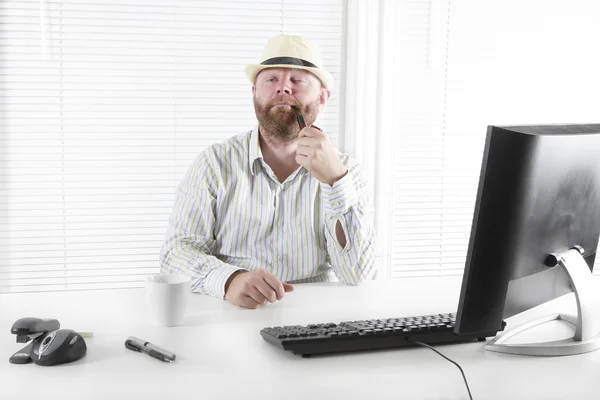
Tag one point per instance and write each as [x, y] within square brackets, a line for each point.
[366, 334]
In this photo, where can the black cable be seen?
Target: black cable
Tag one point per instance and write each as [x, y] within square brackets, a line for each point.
[453, 362]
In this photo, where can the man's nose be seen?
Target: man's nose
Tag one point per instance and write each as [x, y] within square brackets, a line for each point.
[284, 88]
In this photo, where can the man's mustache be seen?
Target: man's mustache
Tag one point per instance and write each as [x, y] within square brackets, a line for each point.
[283, 99]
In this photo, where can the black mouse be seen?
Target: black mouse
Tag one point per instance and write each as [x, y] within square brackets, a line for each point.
[58, 347]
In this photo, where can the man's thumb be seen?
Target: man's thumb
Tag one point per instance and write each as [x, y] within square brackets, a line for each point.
[288, 287]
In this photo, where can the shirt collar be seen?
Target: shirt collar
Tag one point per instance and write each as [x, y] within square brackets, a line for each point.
[254, 152]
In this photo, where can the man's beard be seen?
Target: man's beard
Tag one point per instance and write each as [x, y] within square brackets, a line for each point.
[280, 122]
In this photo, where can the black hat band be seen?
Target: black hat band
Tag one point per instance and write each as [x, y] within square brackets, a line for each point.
[289, 61]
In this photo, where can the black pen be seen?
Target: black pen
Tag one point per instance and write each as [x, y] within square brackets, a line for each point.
[137, 344]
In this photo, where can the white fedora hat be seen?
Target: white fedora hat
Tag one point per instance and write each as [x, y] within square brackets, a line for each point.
[288, 51]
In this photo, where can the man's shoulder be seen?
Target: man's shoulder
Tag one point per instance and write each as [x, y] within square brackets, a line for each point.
[236, 146]
[237, 142]
[220, 159]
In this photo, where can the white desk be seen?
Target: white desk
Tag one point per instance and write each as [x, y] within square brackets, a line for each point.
[220, 353]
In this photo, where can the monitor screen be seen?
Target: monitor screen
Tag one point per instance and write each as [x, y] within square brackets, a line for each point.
[539, 194]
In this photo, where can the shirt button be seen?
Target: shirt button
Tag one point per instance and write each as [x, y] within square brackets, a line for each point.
[336, 203]
[280, 223]
[280, 258]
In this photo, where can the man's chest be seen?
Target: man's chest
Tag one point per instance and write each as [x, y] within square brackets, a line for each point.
[259, 201]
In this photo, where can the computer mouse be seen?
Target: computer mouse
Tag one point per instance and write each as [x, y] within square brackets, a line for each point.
[58, 347]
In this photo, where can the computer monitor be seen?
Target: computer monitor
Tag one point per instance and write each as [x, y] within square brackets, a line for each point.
[534, 234]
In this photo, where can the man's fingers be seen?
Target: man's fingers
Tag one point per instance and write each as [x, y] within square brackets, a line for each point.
[308, 142]
[267, 291]
[256, 289]
[248, 302]
[275, 284]
[257, 295]
[303, 153]
[309, 131]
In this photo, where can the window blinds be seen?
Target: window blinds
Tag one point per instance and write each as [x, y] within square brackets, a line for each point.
[460, 68]
[433, 196]
[105, 104]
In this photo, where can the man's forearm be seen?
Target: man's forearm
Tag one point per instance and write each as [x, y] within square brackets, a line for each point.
[209, 274]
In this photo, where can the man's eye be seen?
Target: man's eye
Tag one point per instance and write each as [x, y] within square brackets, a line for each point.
[271, 80]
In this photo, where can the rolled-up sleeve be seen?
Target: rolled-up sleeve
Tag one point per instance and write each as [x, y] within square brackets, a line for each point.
[347, 202]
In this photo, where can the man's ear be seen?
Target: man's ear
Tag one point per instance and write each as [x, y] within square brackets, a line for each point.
[253, 90]
[324, 97]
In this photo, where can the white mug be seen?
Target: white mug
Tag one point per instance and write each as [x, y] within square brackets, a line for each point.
[168, 297]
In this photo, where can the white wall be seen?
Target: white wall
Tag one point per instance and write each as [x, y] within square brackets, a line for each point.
[523, 62]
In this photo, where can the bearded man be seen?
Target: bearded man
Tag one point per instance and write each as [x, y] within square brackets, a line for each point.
[278, 205]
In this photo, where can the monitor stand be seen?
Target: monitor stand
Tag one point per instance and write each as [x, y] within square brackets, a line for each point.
[587, 324]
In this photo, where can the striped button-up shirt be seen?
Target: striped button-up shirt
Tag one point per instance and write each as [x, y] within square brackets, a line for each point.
[232, 213]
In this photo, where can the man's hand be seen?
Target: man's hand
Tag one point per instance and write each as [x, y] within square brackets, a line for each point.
[316, 153]
[254, 289]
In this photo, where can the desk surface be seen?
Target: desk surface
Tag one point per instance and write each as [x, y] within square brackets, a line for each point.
[220, 353]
